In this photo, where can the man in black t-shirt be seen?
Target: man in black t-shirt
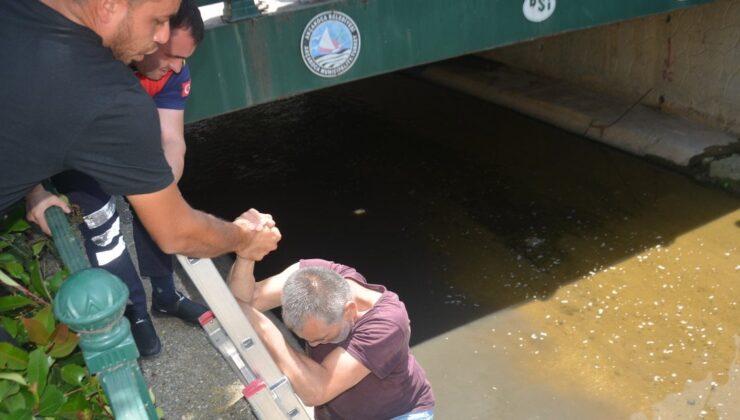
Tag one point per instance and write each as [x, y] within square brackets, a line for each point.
[166, 78]
[69, 101]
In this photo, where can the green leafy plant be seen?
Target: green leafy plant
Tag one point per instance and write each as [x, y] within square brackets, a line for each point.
[42, 371]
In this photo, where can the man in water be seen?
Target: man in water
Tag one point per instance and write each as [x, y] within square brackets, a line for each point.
[357, 363]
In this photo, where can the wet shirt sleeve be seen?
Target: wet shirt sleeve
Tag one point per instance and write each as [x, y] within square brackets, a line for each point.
[121, 148]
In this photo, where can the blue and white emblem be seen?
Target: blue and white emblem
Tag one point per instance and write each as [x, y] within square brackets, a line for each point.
[330, 44]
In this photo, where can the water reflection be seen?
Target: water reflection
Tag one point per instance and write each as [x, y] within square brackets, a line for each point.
[546, 276]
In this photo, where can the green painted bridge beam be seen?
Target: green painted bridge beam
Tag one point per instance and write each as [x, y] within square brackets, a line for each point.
[261, 59]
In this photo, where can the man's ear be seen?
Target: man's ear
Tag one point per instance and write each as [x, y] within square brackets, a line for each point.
[109, 10]
[350, 311]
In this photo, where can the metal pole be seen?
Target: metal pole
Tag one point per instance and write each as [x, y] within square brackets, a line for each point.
[236, 10]
[91, 302]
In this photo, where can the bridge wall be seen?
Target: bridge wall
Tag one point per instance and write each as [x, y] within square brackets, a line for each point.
[688, 60]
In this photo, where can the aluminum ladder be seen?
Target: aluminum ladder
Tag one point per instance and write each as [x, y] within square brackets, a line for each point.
[266, 388]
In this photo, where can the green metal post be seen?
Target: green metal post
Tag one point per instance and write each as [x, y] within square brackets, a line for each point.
[91, 302]
[67, 243]
[236, 10]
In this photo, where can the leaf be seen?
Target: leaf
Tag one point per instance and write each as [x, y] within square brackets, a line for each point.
[14, 402]
[10, 325]
[36, 331]
[22, 401]
[9, 303]
[76, 406]
[22, 413]
[73, 374]
[15, 269]
[38, 246]
[51, 399]
[7, 257]
[38, 369]
[15, 377]
[8, 388]
[55, 281]
[7, 280]
[46, 317]
[12, 358]
[64, 341]
[18, 226]
[75, 358]
[37, 282]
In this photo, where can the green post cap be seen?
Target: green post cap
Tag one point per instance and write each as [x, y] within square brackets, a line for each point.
[91, 299]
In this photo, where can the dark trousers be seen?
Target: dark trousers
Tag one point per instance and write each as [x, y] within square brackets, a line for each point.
[104, 242]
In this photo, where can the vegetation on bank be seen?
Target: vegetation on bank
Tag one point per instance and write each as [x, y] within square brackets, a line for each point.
[42, 371]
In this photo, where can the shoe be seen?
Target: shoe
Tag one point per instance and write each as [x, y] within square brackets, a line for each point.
[145, 337]
[183, 308]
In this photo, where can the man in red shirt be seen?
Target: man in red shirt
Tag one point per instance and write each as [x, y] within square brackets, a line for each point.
[357, 363]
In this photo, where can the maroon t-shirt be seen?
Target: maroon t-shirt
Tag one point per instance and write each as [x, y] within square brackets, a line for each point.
[379, 340]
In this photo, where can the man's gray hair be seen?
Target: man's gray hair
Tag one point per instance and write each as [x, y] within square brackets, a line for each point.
[317, 292]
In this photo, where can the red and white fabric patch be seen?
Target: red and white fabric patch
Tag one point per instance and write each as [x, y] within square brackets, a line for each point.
[186, 89]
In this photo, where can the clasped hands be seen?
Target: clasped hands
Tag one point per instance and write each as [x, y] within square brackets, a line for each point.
[263, 234]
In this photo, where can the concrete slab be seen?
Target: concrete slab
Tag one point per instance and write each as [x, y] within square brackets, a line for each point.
[630, 126]
[727, 168]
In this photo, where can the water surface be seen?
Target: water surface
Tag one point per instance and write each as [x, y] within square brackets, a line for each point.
[546, 276]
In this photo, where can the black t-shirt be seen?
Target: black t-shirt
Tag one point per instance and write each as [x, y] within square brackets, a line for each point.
[66, 103]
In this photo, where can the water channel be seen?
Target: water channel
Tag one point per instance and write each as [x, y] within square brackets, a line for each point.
[546, 276]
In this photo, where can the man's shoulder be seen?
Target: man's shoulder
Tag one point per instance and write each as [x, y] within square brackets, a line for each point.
[173, 92]
[179, 83]
[388, 313]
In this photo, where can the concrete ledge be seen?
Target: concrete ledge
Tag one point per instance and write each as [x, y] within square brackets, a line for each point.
[632, 127]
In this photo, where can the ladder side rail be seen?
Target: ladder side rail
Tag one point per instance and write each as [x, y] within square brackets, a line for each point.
[235, 325]
[217, 295]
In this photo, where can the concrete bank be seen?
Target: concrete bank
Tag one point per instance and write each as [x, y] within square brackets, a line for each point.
[707, 153]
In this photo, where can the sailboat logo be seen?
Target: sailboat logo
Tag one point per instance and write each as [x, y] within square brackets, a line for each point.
[330, 44]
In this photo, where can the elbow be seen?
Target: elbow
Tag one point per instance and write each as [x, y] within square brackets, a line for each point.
[170, 246]
[312, 399]
[309, 388]
[240, 299]
[313, 394]
[172, 243]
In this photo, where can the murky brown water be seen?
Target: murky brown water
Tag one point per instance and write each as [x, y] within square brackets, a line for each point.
[546, 276]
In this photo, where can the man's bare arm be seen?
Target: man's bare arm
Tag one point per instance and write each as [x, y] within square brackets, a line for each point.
[172, 122]
[315, 383]
[263, 295]
[177, 228]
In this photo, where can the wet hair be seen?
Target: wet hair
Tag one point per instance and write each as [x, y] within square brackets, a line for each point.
[317, 292]
[188, 17]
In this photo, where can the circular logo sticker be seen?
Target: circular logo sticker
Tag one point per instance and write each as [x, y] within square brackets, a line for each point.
[330, 44]
[538, 10]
